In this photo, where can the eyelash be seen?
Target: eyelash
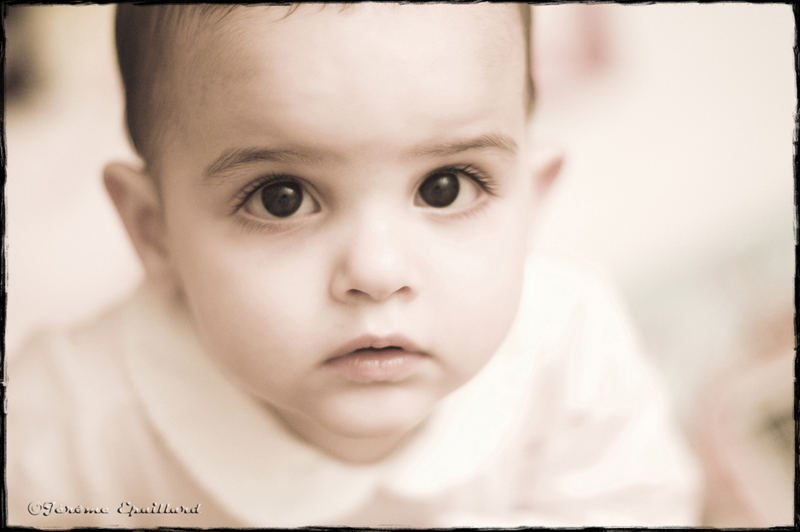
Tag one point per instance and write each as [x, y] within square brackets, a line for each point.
[483, 180]
[244, 195]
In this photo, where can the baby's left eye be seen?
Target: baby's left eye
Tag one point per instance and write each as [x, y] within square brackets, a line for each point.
[447, 188]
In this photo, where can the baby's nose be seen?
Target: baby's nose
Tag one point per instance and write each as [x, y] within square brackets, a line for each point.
[374, 263]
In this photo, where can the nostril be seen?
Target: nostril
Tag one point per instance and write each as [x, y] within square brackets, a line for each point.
[360, 284]
[355, 292]
[377, 294]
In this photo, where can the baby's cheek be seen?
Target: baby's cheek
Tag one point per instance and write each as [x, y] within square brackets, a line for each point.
[478, 309]
[247, 324]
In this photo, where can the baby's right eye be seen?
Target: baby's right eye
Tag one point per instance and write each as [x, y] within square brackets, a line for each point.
[280, 198]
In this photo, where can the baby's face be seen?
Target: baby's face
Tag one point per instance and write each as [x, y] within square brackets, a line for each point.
[351, 179]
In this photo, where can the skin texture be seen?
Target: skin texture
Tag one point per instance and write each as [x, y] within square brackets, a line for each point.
[357, 122]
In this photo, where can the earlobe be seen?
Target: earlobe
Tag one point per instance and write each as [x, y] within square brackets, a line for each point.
[136, 199]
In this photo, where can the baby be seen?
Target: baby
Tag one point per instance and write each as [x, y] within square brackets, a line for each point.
[341, 323]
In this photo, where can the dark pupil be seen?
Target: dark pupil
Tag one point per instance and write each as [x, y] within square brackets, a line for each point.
[439, 190]
[282, 199]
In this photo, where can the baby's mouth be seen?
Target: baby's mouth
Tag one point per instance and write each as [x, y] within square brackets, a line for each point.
[378, 349]
[379, 361]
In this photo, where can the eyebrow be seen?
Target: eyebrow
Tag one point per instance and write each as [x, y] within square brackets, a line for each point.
[488, 141]
[241, 156]
[235, 157]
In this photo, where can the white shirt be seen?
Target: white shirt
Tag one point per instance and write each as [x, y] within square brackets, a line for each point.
[565, 426]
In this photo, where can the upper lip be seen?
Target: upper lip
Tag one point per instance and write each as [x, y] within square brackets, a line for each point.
[372, 341]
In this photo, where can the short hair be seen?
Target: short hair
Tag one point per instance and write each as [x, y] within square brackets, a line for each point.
[144, 32]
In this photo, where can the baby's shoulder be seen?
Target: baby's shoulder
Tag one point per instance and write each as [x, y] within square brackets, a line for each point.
[71, 409]
[562, 298]
[68, 368]
[568, 281]
[585, 334]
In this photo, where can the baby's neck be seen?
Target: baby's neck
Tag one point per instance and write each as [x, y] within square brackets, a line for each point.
[345, 448]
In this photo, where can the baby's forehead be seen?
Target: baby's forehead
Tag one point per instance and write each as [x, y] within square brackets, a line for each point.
[213, 21]
[227, 41]
[323, 47]
[296, 13]
[307, 58]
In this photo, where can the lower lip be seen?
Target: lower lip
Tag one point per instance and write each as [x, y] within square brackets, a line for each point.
[386, 365]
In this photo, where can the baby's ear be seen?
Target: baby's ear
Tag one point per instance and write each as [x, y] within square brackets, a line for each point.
[136, 198]
[545, 164]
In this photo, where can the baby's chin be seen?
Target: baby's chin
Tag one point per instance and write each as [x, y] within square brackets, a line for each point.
[366, 426]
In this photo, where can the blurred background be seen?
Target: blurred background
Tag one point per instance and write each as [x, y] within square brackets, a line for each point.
[677, 122]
